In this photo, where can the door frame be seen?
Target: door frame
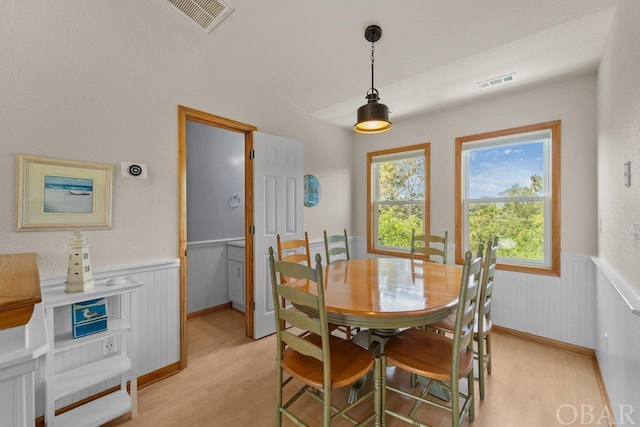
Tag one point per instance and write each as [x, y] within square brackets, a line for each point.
[189, 114]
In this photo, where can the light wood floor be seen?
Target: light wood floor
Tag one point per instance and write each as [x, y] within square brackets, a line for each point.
[230, 381]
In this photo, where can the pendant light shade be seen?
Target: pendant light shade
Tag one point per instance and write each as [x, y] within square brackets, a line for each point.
[373, 117]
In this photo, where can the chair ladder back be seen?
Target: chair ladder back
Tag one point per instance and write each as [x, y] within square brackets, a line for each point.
[467, 305]
[289, 251]
[303, 361]
[486, 290]
[336, 246]
[422, 245]
[292, 299]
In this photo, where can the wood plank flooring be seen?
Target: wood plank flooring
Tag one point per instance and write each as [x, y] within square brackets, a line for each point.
[230, 382]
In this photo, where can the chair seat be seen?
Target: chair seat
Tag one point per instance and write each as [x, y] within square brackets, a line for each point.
[448, 323]
[426, 353]
[487, 327]
[349, 362]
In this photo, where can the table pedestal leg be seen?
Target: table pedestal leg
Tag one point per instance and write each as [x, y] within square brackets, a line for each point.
[374, 347]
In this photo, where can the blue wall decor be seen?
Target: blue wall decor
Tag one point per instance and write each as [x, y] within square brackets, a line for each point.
[311, 190]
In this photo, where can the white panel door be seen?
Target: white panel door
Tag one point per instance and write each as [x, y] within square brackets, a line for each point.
[278, 193]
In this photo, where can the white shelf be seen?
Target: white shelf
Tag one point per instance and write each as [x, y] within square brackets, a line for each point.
[76, 379]
[96, 412]
[55, 296]
[65, 341]
[66, 349]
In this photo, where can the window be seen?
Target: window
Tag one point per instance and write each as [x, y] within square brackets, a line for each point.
[398, 198]
[508, 184]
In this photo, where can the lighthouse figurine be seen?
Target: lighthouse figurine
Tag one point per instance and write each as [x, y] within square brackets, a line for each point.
[79, 275]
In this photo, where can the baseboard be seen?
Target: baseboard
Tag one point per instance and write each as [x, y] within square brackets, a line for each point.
[603, 391]
[158, 375]
[221, 307]
[576, 349]
[572, 348]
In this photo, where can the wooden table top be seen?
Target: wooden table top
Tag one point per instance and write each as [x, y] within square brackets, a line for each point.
[389, 292]
[19, 288]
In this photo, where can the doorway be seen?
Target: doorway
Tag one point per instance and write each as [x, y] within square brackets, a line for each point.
[186, 114]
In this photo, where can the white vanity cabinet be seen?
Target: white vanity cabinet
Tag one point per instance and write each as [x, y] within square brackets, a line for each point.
[235, 274]
[76, 364]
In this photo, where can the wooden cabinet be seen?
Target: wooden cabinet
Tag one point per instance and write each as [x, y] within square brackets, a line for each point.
[98, 358]
[235, 274]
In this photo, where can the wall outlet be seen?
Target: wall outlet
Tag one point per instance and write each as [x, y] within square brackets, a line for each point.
[108, 346]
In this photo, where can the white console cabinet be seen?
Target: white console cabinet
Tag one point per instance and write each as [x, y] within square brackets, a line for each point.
[90, 363]
[235, 274]
[23, 338]
[20, 351]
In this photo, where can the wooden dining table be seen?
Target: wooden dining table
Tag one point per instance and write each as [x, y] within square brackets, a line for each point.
[389, 293]
[385, 294]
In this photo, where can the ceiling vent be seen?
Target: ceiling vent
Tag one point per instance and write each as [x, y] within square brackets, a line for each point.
[497, 81]
[206, 14]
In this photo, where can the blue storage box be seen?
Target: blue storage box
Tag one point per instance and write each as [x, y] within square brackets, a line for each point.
[89, 317]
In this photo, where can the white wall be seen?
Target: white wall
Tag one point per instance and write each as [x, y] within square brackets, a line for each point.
[101, 81]
[573, 101]
[617, 286]
[215, 172]
[618, 142]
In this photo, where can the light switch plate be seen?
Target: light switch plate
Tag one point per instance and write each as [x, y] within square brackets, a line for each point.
[627, 174]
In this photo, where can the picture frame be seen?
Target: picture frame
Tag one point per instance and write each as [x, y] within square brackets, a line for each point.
[59, 194]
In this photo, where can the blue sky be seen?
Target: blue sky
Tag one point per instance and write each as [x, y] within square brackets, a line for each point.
[495, 169]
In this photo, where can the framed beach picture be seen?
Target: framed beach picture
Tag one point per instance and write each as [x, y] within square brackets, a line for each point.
[62, 194]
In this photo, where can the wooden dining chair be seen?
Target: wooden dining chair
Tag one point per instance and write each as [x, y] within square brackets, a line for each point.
[294, 250]
[438, 358]
[316, 363]
[483, 326]
[297, 251]
[482, 333]
[336, 247]
[424, 246]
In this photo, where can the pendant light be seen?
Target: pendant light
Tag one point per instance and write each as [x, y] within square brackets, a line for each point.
[373, 117]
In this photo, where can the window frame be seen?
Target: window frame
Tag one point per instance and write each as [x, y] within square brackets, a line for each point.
[371, 220]
[555, 170]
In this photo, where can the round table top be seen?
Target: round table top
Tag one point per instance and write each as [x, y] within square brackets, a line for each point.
[389, 292]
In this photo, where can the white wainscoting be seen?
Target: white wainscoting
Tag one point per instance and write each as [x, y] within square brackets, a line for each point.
[158, 340]
[560, 308]
[207, 275]
[618, 342]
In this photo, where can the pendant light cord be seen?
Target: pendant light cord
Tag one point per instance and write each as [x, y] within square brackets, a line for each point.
[372, 60]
